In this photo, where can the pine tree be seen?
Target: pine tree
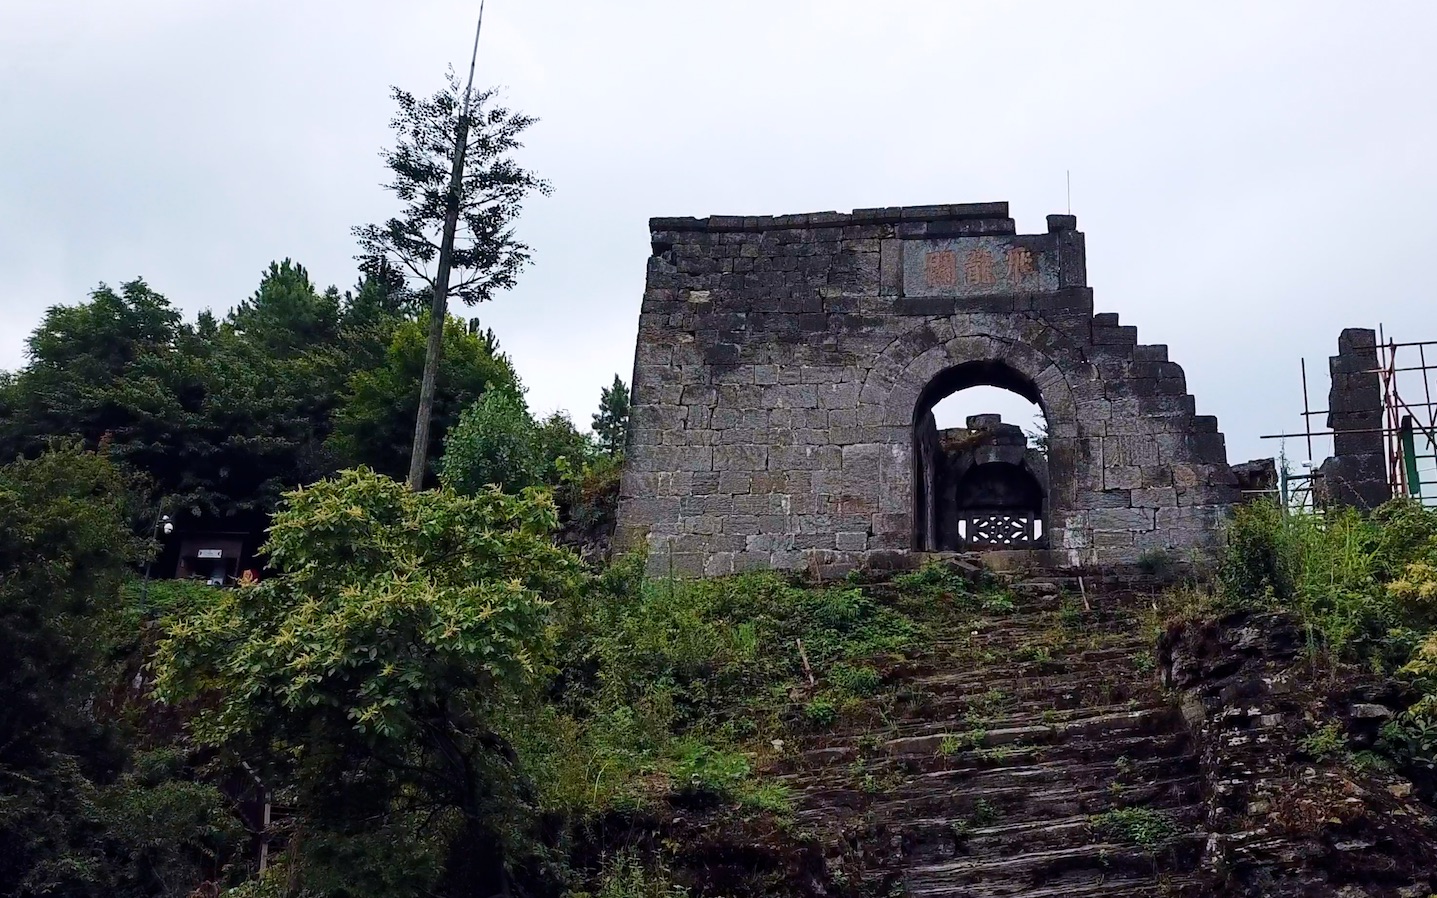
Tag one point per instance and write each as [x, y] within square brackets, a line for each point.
[611, 421]
[461, 190]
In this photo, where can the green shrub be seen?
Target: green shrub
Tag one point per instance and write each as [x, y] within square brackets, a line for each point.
[1159, 563]
[1259, 557]
[1326, 742]
[688, 678]
[999, 602]
[820, 712]
[1366, 587]
[556, 438]
[855, 679]
[495, 442]
[701, 767]
[625, 877]
[1339, 570]
[1146, 828]
[1411, 741]
[933, 580]
[774, 797]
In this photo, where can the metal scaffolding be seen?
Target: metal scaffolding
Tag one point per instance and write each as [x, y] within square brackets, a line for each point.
[1409, 427]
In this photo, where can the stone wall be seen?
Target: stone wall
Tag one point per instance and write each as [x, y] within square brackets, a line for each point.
[783, 363]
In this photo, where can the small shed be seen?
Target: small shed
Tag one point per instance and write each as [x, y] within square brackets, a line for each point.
[210, 556]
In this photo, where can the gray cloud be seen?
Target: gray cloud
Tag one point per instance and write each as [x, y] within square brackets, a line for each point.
[1252, 178]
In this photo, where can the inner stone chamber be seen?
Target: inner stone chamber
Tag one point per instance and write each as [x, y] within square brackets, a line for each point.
[980, 486]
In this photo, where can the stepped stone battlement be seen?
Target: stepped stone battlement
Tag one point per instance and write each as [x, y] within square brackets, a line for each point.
[786, 366]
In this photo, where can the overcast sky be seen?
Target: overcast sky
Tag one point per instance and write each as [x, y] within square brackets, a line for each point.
[1251, 177]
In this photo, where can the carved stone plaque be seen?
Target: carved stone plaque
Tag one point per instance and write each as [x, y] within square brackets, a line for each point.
[976, 266]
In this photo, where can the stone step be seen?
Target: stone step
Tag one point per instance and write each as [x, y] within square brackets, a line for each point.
[998, 741]
[931, 671]
[1062, 868]
[979, 779]
[905, 801]
[934, 839]
[1072, 751]
[1140, 886]
[1021, 700]
[963, 721]
[927, 737]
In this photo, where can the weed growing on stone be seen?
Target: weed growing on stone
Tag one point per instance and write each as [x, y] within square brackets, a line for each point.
[1034, 654]
[984, 813]
[774, 797]
[625, 876]
[1325, 743]
[1146, 828]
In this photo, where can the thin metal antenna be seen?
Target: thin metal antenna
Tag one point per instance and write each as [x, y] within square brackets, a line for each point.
[473, 57]
[1069, 173]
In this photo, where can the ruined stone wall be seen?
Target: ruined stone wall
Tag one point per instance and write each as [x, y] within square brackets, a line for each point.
[1356, 474]
[783, 362]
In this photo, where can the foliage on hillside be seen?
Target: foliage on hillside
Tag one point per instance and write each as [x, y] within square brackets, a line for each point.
[222, 417]
[400, 628]
[1366, 587]
[87, 805]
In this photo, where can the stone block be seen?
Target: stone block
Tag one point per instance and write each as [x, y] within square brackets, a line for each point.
[734, 483]
[1115, 498]
[1130, 450]
[1122, 477]
[851, 541]
[740, 524]
[729, 459]
[719, 564]
[702, 524]
[768, 542]
[842, 395]
[790, 560]
[756, 504]
[1113, 539]
[1100, 519]
[1155, 497]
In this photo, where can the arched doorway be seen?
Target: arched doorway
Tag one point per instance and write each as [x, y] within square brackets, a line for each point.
[980, 482]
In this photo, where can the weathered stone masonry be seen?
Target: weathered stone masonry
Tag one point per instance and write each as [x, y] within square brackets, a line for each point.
[784, 363]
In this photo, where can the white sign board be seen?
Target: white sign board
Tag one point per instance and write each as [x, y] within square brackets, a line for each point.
[210, 553]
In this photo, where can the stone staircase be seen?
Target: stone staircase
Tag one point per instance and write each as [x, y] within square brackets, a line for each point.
[1032, 754]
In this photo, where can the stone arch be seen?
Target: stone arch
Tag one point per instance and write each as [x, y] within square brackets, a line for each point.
[907, 364]
[912, 370]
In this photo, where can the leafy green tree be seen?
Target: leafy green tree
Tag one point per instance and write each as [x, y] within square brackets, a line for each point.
[611, 421]
[77, 355]
[558, 438]
[221, 417]
[383, 656]
[215, 422]
[372, 426]
[287, 316]
[495, 443]
[76, 818]
[369, 315]
[462, 189]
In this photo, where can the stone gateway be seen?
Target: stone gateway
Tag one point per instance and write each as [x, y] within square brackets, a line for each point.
[786, 372]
